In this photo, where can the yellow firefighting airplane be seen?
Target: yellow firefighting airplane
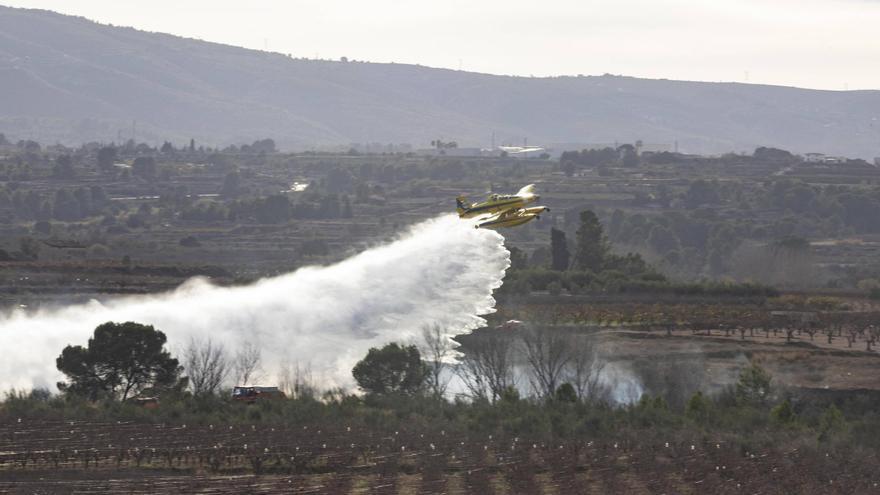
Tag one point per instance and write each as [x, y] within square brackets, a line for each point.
[502, 210]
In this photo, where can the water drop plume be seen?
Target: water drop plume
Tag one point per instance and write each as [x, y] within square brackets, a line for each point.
[325, 318]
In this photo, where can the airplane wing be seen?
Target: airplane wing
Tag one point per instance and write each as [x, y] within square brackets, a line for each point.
[529, 189]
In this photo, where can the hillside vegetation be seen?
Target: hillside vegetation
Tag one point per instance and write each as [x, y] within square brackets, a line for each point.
[69, 79]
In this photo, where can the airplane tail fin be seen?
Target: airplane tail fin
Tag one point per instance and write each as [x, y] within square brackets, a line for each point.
[460, 205]
[529, 189]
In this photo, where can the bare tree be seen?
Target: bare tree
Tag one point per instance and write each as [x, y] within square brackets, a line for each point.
[206, 365]
[547, 352]
[246, 365]
[296, 381]
[436, 349]
[584, 367]
[486, 367]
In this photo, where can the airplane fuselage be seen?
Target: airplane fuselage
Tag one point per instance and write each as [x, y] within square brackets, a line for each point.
[496, 205]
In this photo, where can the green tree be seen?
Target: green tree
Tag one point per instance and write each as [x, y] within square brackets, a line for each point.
[65, 206]
[723, 241]
[120, 361]
[560, 258]
[663, 240]
[784, 414]
[274, 209]
[592, 245]
[772, 155]
[617, 220]
[518, 258]
[144, 167]
[701, 192]
[106, 158]
[231, 185]
[753, 386]
[629, 157]
[697, 408]
[565, 393]
[830, 423]
[346, 207]
[263, 146]
[391, 369]
[29, 247]
[63, 168]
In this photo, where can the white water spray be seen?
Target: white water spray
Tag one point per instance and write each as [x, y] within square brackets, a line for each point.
[441, 271]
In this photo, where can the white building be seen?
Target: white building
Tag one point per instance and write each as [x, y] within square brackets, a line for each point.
[523, 151]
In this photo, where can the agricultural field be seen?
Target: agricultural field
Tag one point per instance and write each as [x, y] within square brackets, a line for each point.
[93, 457]
[808, 344]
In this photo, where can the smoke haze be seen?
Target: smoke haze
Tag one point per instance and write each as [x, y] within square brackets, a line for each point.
[440, 271]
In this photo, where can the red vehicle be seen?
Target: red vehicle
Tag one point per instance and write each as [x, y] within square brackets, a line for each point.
[253, 394]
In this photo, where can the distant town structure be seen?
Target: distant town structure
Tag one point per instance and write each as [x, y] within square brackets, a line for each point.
[457, 152]
[823, 158]
[552, 150]
[379, 148]
[524, 151]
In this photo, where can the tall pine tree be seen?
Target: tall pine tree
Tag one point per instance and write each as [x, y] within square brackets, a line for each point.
[592, 245]
[560, 257]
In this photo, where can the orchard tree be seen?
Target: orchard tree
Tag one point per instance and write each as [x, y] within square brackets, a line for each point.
[391, 369]
[120, 361]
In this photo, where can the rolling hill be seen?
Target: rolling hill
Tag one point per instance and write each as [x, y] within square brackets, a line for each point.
[71, 80]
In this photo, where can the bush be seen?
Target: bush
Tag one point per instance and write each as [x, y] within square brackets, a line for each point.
[753, 387]
[97, 251]
[831, 423]
[783, 414]
[190, 241]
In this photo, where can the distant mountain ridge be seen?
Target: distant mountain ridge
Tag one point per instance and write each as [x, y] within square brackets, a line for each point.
[71, 80]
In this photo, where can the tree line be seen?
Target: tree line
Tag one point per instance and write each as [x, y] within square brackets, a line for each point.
[552, 388]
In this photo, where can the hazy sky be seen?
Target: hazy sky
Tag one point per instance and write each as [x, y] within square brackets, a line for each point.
[831, 44]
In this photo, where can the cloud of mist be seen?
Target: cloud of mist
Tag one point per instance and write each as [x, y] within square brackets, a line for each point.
[440, 271]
